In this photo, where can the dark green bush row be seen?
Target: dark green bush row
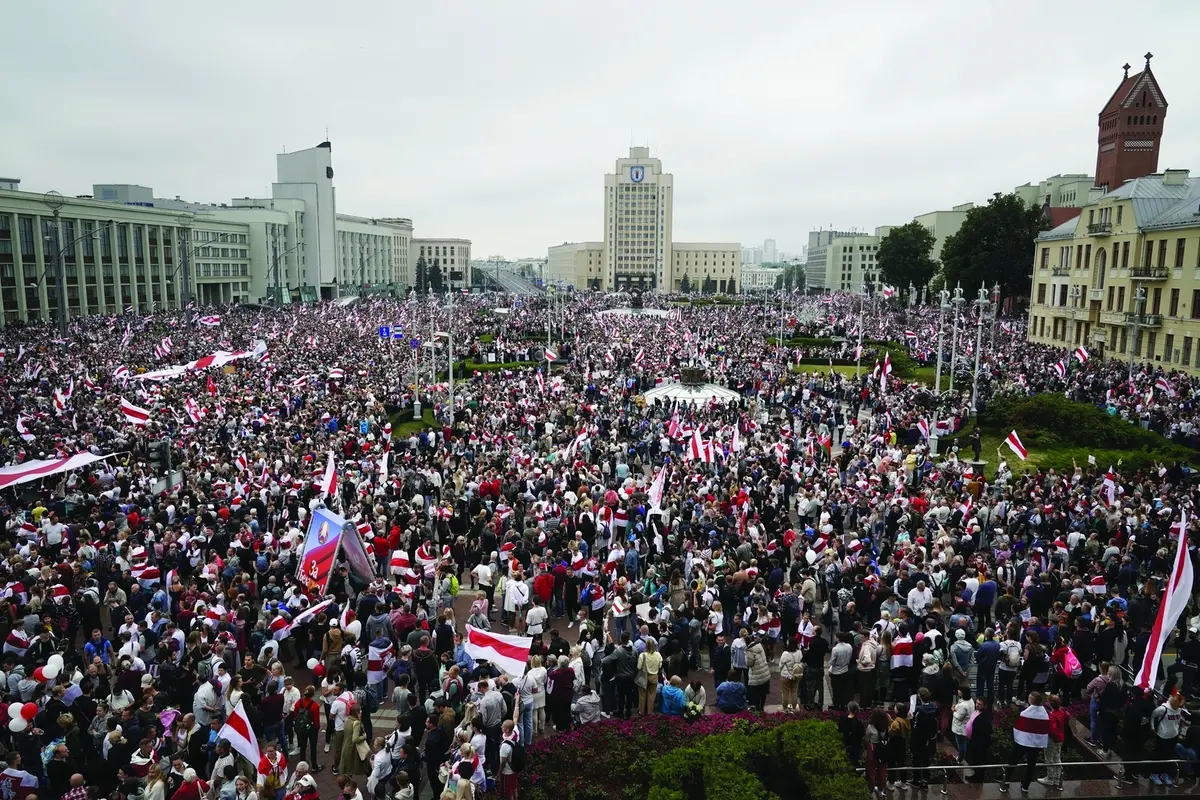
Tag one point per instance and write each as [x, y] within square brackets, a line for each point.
[798, 759]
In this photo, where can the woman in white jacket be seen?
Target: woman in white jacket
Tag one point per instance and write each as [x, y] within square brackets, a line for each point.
[963, 708]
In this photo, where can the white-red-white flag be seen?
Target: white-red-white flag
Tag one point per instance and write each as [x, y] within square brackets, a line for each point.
[329, 479]
[26, 436]
[240, 735]
[1174, 600]
[509, 653]
[134, 415]
[1014, 442]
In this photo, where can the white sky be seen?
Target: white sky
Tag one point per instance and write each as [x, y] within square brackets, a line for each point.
[496, 121]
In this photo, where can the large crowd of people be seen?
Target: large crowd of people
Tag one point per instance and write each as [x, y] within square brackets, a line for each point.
[663, 558]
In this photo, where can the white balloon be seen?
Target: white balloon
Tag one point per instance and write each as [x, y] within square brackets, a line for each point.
[55, 661]
[14, 710]
[18, 724]
[312, 663]
[810, 556]
[50, 671]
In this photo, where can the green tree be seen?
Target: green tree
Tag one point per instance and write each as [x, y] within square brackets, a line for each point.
[905, 256]
[994, 245]
[709, 286]
[685, 284]
[435, 277]
[422, 274]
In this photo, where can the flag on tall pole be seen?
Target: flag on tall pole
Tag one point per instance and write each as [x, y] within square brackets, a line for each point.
[1175, 599]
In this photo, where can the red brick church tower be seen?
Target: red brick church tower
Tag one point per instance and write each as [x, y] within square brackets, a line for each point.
[1131, 127]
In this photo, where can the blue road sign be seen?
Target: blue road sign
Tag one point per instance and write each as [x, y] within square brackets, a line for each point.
[414, 343]
[397, 333]
[385, 332]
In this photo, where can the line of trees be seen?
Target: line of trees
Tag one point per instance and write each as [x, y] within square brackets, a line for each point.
[430, 276]
[994, 245]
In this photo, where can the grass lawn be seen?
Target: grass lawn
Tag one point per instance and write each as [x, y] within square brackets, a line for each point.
[921, 374]
[1059, 458]
[403, 425]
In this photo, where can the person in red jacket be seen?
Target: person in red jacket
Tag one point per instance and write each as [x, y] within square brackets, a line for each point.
[1059, 719]
[309, 706]
[192, 788]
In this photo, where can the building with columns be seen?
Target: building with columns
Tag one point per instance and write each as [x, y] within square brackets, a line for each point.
[114, 257]
[453, 257]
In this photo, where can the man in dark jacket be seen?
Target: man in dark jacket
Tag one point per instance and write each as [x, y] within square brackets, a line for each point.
[625, 666]
[437, 744]
[722, 659]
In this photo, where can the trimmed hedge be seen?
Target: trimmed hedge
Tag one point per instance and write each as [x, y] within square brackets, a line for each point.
[1059, 430]
[798, 759]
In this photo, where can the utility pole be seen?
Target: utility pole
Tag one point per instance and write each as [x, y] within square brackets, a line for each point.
[943, 307]
[958, 301]
[56, 201]
[995, 317]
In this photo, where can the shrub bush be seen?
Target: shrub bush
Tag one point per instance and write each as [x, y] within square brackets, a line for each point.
[667, 759]
[1069, 429]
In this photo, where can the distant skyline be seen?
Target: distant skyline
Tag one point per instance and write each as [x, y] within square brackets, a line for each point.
[498, 122]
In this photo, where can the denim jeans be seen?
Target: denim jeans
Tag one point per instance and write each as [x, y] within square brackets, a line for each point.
[1094, 718]
[526, 722]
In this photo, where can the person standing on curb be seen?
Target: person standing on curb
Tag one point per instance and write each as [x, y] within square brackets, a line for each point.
[1031, 735]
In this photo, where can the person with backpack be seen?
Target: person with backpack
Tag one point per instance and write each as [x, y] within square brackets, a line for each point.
[924, 736]
[1166, 722]
[1010, 666]
[512, 760]
[306, 725]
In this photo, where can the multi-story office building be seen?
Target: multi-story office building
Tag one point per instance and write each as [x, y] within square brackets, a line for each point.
[373, 254]
[453, 257]
[638, 203]
[708, 266]
[576, 264]
[843, 261]
[114, 257]
[759, 278]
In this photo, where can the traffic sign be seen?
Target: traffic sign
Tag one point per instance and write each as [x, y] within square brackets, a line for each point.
[385, 332]
[397, 333]
[414, 343]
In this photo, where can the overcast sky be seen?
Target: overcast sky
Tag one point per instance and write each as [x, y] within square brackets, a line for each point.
[497, 121]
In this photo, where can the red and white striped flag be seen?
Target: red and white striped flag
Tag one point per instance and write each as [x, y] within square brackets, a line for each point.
[509, 653]
[1165, 385]
[337, 374]
[134, 415]
[641, 356]
[1081, 353]
[240, 735]
[1014, 442]
[26, 436]
[328, 483]
[210, 321]
[194, 411]
[1175, 599]
[551, 354]
[121, 373]
[1060, 369]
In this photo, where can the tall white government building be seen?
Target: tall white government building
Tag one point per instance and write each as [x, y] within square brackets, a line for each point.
[122, 247]
[638, 251]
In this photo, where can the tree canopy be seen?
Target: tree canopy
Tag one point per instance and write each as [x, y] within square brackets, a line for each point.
[906, 256]
[994, 245]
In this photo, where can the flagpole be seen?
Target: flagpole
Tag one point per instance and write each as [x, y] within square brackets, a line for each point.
[858, 352]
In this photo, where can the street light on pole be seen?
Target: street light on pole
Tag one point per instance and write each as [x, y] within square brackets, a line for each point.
[1139, 301]
[981, 305]
[185, 230]
[958, 301]
[943, 307]
[56, 201]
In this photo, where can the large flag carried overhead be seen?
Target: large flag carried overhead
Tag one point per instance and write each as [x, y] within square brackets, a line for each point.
[240, 735]
[32, 470]
[320, 546]
[508, 653]
[656, 488]
[1175, 599]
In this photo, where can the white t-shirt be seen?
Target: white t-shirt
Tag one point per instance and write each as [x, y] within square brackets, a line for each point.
[338, 711]
[506, 751]
[483, 574]
[535, 619]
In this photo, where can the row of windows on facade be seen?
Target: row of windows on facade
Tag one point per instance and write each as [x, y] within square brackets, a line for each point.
[433, 250]
[1080, 256]
[1062, 296]
[1118, 338]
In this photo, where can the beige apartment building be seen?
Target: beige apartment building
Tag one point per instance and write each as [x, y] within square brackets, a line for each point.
[1123, 278]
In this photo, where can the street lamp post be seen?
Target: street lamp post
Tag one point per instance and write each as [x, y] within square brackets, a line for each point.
[943, 307]
[958, 301]
[1139, 301]
[912, 295]
[185, 230]
[55, 201]
[862, 296]
[981, 303]
[995, 317]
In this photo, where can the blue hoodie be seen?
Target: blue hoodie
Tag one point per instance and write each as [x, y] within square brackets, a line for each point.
[673, 700]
